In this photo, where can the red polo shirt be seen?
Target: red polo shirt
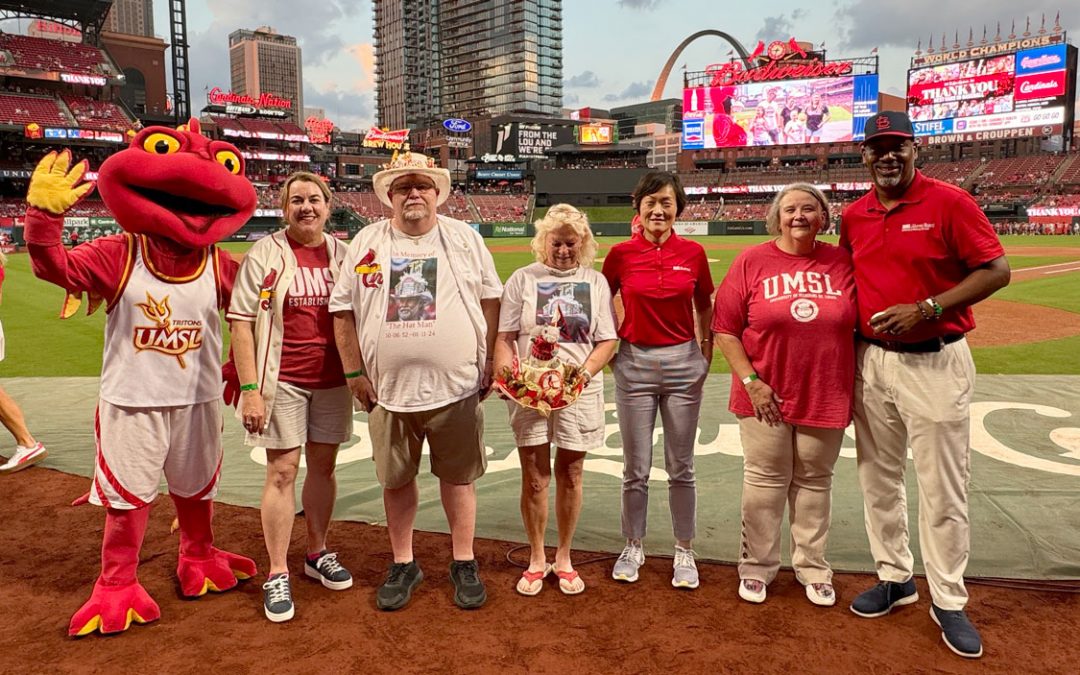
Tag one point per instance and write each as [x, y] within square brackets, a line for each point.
[929, 242]
[659, 283]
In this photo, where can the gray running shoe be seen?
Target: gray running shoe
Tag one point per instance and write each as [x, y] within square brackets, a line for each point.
[686, 574]
[626, 567]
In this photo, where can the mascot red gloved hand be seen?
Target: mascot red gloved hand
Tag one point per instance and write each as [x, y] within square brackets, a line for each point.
[175, 193]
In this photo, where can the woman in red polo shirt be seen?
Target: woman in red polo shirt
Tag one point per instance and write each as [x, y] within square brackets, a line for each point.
[662, 278]
[785, 321]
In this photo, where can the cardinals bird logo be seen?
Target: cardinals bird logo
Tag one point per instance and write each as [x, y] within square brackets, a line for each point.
[165, 337]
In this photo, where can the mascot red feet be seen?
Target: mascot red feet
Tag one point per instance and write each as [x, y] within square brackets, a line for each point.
[118, 597]
[175, 193]
[202, 567]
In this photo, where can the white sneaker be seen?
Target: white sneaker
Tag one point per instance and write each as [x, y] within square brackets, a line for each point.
[822, 595]
[626, 567]
[24, 458]
[752, 590]
[686, 574]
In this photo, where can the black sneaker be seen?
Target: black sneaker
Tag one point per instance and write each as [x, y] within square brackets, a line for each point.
[880, 600]
[329, 571]
[469, 591]
[957, 632]
[398, 587]
[277, 598]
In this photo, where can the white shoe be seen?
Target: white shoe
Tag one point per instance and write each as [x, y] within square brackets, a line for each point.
[685, 574]
[752, 590]
[24, 458]
[822, 595]
[626, 567]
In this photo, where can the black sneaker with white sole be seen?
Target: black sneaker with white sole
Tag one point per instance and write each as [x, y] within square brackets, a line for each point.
[277, 598]
[329, 571]
[957, 632]
[880, 600]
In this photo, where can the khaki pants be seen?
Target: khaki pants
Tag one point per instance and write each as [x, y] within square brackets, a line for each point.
[790, 465]
[921, 400]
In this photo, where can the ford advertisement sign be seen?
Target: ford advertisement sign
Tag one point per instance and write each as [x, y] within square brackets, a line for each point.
[458, 125]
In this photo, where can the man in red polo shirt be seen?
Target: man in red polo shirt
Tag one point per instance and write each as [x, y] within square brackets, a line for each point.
[924, 254]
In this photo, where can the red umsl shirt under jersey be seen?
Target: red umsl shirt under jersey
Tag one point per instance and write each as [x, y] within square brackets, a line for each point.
[659, 284]
[309, 357]
[933, 238]
[795, 317]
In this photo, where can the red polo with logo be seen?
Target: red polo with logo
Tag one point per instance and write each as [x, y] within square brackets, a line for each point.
[926, 244]
[659, 284]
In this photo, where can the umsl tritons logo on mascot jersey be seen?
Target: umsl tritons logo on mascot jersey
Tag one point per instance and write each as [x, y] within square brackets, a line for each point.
[166, 336]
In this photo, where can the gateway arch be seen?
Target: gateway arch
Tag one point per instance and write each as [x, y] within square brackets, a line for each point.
[661, 82]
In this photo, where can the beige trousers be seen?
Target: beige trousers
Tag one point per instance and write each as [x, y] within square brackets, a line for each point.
[921, 400]
[790, 465]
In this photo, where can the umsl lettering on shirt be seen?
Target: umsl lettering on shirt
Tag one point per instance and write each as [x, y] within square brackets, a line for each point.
[175, 339]
[309, 284]
[782, 285]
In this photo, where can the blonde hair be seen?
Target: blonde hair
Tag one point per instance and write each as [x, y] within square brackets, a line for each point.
[564, 216]
[772, 219]
[302, 177]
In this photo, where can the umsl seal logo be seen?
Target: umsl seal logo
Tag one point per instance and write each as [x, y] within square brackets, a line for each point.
[804, 310]
[174, 338]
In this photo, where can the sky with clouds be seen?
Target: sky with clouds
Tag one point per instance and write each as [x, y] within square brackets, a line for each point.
[613, 50]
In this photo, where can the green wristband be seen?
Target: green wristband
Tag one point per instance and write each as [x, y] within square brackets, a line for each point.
[355, 373]
[249, 387]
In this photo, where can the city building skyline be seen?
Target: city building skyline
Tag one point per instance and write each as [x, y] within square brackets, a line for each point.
[265, 62]
[466, 58]
[132, 17]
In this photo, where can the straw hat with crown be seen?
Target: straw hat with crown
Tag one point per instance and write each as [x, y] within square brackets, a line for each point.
[405, 162]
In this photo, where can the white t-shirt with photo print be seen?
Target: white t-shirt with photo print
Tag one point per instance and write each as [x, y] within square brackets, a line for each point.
[533, 293]
[427, 349]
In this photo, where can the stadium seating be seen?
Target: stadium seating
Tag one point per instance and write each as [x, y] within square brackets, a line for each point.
[698, 209]
[500, 208]
[24, 109]
[91, 114]
[951, 172]
[1033, 170]
[53, 55]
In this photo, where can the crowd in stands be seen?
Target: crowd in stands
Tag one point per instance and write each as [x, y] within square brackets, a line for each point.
[91, 114]
[34, 53]
[1035, 229]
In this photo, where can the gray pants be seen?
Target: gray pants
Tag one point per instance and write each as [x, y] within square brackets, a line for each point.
[669, 379]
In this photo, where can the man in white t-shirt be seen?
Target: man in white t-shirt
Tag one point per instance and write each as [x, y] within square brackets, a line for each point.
[416, 313]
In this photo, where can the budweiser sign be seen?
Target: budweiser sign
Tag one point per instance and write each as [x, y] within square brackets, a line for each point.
[319, 129]
[780, 66]
[380, 138]
[224, 98]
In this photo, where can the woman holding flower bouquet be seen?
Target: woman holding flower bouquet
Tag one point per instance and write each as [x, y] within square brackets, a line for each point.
[560, 297]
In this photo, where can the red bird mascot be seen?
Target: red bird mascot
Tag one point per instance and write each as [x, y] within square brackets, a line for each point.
[175, 193]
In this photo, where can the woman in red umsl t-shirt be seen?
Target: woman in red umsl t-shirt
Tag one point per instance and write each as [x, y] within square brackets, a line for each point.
[293, 391]
[784, 320]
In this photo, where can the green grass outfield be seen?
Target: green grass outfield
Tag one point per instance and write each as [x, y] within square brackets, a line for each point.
[39, 344]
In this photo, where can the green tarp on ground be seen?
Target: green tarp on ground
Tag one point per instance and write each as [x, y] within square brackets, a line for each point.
[1025, 488]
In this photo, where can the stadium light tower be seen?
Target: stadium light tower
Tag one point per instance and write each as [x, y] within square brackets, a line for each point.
[181, 81]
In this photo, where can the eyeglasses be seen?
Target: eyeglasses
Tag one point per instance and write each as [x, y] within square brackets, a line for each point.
[406, 188]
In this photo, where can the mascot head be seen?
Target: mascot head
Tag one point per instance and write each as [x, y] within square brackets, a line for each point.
[178, 184]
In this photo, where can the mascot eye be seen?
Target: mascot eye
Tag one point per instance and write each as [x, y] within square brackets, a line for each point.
[229, 160]
[161, 144]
